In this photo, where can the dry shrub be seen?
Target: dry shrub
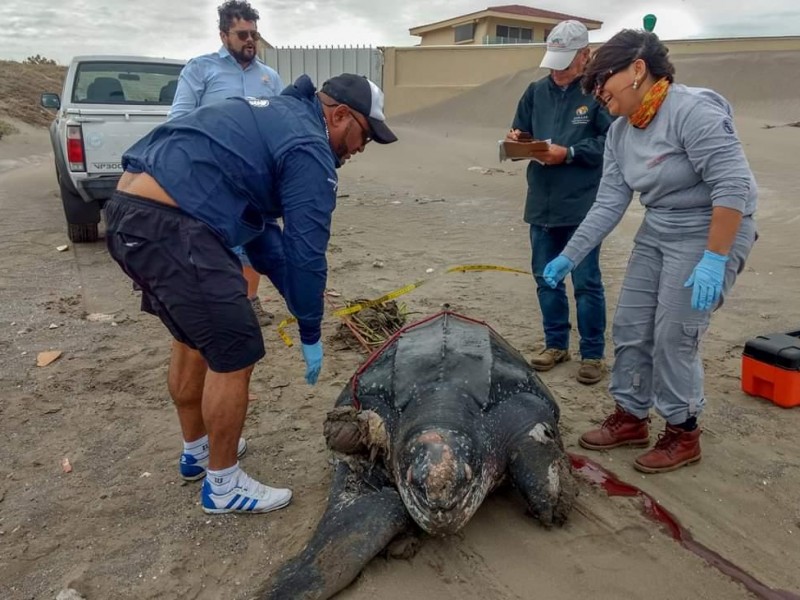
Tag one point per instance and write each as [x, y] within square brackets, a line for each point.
[368, 329]
[7, 129]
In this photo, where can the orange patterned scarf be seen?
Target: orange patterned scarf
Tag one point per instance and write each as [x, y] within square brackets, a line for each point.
[651, 102]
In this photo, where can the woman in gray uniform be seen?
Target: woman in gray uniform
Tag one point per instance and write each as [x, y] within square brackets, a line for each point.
[676, 146]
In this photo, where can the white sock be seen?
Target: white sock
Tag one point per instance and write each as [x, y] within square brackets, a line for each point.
[224, 480]
[198, 448]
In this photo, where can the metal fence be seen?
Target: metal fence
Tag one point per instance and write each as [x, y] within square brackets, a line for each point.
[323, 63]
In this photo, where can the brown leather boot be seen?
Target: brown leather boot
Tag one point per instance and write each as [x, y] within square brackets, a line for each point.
[619, 429]
[549, 358]
[592, 371]
[675, 448]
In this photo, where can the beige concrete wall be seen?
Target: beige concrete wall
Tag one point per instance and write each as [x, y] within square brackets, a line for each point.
[439, 37]
[416, 77]
[425, 75]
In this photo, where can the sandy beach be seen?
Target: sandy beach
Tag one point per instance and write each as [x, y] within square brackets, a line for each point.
[123, 525]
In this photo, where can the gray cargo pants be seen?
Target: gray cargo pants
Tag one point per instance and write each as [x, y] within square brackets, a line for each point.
[656, 331]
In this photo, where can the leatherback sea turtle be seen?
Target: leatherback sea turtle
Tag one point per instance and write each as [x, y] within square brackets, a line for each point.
[424, 430]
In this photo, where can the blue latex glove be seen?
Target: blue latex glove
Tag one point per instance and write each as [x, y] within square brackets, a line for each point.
[312, 353]
[557, 269]
[706, 280]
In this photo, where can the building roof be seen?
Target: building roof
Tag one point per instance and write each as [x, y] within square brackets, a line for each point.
[519, 11]
[530, 11]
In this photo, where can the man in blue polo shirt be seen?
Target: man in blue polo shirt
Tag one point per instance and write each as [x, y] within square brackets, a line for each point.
[234, 70]
[219, 177]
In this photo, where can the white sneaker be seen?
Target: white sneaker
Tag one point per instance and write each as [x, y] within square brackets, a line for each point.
[247, 496]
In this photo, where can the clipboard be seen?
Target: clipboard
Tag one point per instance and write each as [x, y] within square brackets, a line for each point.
[524, 150]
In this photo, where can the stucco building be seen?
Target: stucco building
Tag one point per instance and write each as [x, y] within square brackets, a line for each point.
[508, 24]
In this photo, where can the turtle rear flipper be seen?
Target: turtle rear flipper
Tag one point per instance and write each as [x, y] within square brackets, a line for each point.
[537, 463]
[364, 514]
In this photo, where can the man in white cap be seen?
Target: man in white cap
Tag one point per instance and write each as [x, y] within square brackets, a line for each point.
[562, 185]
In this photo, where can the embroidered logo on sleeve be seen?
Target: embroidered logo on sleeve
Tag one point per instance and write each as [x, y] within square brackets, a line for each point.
[727, 125]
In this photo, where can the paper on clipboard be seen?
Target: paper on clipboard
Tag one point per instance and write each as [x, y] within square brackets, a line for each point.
[525, 150]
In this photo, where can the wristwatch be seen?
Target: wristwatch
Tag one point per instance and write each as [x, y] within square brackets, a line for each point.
[570, 155]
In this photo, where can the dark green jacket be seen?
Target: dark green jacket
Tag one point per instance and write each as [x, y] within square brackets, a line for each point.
[560, 195]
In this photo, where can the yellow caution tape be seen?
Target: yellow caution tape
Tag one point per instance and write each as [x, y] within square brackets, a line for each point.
[465, 268]
[350, 310]
[285, 336]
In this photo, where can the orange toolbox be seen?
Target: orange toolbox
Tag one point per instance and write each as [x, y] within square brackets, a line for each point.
[771, 368]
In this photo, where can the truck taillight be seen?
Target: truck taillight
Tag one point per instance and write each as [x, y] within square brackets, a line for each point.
[75, 155]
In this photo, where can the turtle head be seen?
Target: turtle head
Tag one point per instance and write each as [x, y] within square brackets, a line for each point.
[440, 479]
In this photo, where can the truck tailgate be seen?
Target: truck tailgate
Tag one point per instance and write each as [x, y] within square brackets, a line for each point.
[107, 134]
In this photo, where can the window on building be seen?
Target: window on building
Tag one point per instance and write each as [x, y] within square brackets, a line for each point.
[547, 33]
[464, 33]
[510, 35]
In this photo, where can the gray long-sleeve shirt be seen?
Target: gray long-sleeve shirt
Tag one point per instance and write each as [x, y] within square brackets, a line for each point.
[685, 162]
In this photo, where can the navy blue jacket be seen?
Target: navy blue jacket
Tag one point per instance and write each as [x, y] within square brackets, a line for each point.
[237, 166]
[561, 195]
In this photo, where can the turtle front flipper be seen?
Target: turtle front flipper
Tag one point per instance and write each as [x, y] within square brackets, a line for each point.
[364, 514]
[537, 463]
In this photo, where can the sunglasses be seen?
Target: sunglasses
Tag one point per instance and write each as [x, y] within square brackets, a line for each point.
[365, 131]
[244, 34]
[599, 85]
[601, 80]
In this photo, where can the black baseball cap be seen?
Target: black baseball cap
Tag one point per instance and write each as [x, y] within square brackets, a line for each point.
[363, 96]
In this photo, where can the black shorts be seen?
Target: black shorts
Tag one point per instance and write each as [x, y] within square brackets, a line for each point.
[189, 279]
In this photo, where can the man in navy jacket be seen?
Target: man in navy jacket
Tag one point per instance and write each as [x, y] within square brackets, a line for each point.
[562, 185]
[203, 183]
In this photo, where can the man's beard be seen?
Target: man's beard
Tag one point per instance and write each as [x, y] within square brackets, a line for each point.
[240, 56]
[342, 150]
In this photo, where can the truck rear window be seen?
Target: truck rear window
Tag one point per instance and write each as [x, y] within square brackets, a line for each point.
[125, 83]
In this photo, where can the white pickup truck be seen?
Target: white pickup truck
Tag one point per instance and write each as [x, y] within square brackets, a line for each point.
[107, 104]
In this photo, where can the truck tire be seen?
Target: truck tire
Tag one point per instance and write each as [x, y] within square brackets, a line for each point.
[82, 233]
[82, 217]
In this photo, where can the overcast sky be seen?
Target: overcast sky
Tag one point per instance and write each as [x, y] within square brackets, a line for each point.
[185, 28]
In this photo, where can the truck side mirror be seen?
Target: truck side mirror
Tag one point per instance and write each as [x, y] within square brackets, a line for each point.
[51, 101]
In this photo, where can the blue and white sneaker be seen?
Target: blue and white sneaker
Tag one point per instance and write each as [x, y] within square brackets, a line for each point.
[248, 496]
[192, 469]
